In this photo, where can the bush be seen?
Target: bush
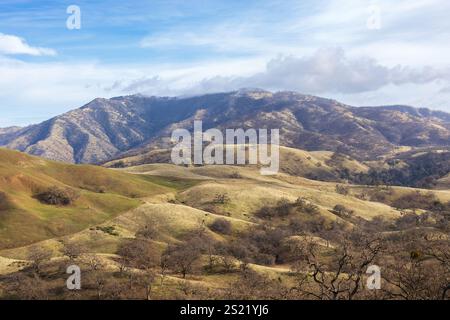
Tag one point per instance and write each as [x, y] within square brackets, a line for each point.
[341, 189]
[306, 207]
[282, 209]
[4, 203]
[221, 199]
[235, 175]
[409, 220]
[101, 189]
[221, 226]
[264, 259]
[342, 211]
[57, 196]
[417, 200]
[118, 164]
[149, 231]
[111, 230]
[265, 243]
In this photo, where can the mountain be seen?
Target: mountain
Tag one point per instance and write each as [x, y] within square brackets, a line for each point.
[105, 129]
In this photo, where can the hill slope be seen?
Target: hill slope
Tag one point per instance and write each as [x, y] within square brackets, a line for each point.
[268, 217]
[100, 195]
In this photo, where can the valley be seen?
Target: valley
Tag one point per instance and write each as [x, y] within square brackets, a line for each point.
[201, 231]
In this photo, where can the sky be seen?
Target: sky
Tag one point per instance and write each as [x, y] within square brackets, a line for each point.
[360, 52]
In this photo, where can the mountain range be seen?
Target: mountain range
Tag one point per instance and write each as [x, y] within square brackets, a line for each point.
[106, 129]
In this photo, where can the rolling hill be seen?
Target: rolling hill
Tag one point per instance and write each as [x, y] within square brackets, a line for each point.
[100, 195]
[175, 205]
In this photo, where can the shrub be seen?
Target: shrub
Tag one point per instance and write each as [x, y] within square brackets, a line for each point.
[341, 189]
[265, 213]
[307, 207]
[221, 199]
[235, 175]
[118, 164]
[264, 243]
[149, 231]
[342, 211]
[4, 203]
[221, 226]
[417, 200]
[57, 196]
[101, 189]
[282, 209]
[111, 230]
[409, 220]
[264, 259]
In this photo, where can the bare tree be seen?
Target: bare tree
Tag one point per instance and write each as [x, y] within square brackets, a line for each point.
[441, 252]
[340, 278]
[73, 250]
[138, 253]
[39, 256]
[424, 275]
[146, 279]
[29, 287]
[149, 230]
[182, 258]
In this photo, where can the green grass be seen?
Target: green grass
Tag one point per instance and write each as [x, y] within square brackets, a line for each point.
[103, 194]
[172, 182]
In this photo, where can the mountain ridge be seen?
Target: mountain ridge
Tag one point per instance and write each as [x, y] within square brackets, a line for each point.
[104, 129]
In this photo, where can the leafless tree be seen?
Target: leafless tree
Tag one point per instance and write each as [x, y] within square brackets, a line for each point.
[182, 258]
[340, 278]
[39, 256]
[73, 250]
[29, 287]
[422, 275]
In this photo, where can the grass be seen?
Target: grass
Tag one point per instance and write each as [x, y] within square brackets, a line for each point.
[175, 183]
[104, 194]
[115, 203]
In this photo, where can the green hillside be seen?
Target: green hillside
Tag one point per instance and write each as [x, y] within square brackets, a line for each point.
[100, 194]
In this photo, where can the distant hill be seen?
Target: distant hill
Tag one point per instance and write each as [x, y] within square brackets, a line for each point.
[105, 129]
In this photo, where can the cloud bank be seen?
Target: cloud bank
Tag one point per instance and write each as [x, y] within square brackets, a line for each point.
[12, 45]
[328, 70]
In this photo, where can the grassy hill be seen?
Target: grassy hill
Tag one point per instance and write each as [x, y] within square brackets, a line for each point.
[101, 194]
[317, 165]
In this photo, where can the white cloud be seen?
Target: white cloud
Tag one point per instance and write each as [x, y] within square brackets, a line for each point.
[327, 71]
[11, 45]
[38, 91]
[48, 89]
[236, 37]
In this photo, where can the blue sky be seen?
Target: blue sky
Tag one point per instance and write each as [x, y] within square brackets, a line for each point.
[357, 51]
